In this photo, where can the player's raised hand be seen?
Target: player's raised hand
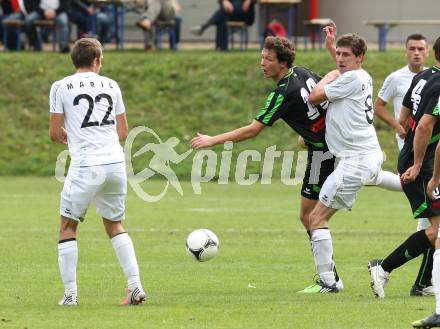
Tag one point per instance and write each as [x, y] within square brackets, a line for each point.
[330, 38]
[201, 141]
[330, 33]
[411, 174]
[432, 186]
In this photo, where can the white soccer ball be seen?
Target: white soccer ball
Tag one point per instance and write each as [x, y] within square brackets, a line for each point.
[202, 245]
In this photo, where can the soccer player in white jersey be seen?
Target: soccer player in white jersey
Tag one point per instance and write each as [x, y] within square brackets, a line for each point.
[351, 137]
[93, 112]
[397, 83]
[393, 90]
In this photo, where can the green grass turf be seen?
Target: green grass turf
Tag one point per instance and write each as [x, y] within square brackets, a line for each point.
[262, 244]
[176, 94]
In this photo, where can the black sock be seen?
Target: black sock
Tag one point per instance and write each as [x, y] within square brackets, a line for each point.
[336, 273]
[67, 240]
[416, 244]
[425, 272]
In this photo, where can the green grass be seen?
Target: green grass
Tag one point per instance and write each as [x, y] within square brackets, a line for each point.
[262, 244]
[262, 241]
[176, 94]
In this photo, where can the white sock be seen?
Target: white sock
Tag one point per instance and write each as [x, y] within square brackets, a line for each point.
[436, 280]
[389, 181]
[423, 223]
[322, 248]
[127, 258]
[67, 260]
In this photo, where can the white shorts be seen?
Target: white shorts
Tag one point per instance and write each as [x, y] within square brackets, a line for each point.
[351, 173]
[105, 185]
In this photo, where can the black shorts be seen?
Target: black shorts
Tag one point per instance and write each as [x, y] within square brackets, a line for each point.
[317, 172]
[422, 206]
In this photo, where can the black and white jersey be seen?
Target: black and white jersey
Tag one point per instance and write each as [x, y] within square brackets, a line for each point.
[89, 103]
[422, 98]
[289, 101]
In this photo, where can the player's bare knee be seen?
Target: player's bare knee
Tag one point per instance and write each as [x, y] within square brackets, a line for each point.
[317, 220]
[67, 228]
[112, 228]
[305, 218]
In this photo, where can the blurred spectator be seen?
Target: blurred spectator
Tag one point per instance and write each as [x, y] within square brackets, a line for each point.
[7, 8]
[162, 10]
[17, 10]
[82, 14]
[230, 10]
[178, 27]
[274, 29]
[49, 10]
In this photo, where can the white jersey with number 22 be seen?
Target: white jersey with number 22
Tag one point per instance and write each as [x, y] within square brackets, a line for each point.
[90, 104]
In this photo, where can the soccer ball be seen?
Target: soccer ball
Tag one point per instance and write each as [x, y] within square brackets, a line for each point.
[202, 245]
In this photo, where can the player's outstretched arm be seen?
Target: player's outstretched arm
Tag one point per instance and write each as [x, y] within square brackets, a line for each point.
[57, 133]
[122, 126]
[381, 111]
[236, 135]
[435, 180]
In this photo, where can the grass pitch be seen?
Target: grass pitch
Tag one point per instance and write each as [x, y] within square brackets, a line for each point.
[264, 259]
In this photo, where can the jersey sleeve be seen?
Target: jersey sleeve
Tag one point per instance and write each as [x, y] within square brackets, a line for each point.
[342, 87]
[388, 90]
[55, 100]
[273, 110]
[430, 103]
[119, 106]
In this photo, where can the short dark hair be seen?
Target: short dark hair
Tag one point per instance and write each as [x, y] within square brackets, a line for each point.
[415, 36]
[284, 48]
[357, 44]
[85, 51]
[436, 48]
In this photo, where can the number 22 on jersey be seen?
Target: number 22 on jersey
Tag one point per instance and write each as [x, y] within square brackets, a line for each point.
[105, 121]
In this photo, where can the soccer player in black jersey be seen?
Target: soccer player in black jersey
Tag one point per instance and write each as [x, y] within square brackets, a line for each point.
[415, 164]
[288, 101]
[433, 193]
